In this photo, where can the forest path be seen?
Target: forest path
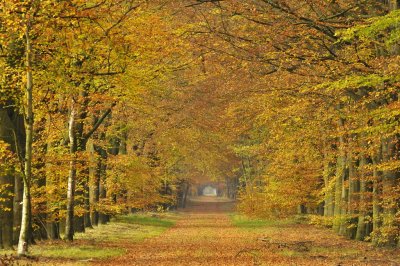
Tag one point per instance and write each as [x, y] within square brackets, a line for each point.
[204, 235]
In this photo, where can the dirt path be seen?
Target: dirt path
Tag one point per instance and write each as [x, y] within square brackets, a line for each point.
[204, 235]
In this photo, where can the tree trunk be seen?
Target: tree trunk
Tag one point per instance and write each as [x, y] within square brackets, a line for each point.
[389, 192]
[26, 204]
[81, 186]
[350, 225]
[94, 182]
[376, 200]
[339, 183]
[6, 209]
[6, 182]
[103, 217]
[53, 230]
[362, 223]
[18, 195]
[69, 222]
[329, 204]
[184, 190]
[87, 218]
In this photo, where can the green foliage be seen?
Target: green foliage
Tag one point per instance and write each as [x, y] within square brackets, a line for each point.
[383, 28]
[352, 83]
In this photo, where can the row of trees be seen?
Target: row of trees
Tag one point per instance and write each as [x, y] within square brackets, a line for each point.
[91, 100]
[109, 106]
[313, 108]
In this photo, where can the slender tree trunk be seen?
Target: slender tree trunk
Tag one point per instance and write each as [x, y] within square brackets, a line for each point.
[103, 219]
[376, 200]
[26, 205]
[69, 222]
[329, 204]
[185, 189]
[18, 195]
[350, 226]
[114, 150]
[53, 230]
[94, 175]
[81, 186]
[389, 191]
[87, 218]
[25, 222]
[94, 182]
[362, 223]
[339, 183]
[123, 150]
[343, 208]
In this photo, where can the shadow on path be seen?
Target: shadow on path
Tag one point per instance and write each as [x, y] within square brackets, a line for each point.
[204, 204]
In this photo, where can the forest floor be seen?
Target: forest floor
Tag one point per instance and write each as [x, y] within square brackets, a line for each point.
[208, 233]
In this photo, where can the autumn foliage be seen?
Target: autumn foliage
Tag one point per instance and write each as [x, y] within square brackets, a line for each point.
[293, 105]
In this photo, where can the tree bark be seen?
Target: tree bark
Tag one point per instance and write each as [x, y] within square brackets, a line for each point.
[362, 223]
[26, 204]
[350, 226]
[6, 182]
[94, 182]
[376, 201]
[87, 217]
[103, 217]
[339, 183]
[329, 204]
[18, 194]
[6, 210]
[69, 222]
[389, 191]
[81, 185]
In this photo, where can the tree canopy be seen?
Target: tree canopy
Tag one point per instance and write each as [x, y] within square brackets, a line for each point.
[108, 107]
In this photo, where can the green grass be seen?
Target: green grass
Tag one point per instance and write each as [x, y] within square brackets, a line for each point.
[129, 228]
[141, 219]
[6, 252]
[327, 251]
[291, 253]
[75, 252]
[104, 241]
[245, 222]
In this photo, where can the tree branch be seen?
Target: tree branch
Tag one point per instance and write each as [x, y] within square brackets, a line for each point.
[98, 123]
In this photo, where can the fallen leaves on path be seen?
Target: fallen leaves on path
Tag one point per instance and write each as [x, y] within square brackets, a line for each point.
[204, 235]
